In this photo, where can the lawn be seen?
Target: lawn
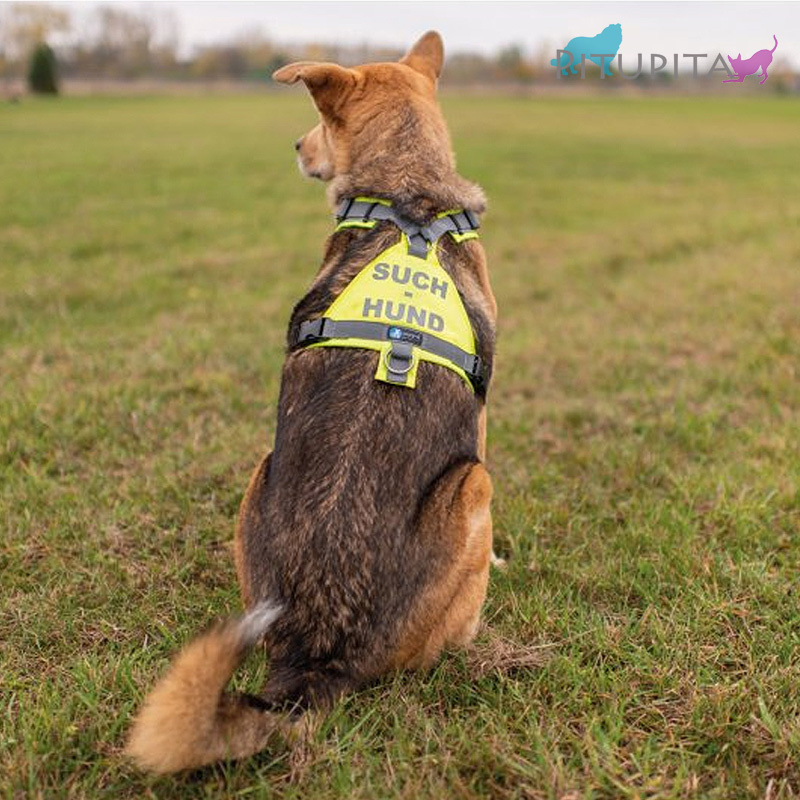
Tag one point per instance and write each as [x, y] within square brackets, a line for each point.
[644, 441]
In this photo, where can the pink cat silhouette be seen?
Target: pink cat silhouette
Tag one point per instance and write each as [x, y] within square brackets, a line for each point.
[762, 59]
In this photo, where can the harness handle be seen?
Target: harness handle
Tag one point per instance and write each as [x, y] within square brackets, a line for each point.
[361, 211]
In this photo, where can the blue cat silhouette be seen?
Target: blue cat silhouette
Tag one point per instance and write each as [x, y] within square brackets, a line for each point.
[607, 42]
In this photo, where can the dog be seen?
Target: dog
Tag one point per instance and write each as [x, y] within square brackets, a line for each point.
[364, 539]
[605, 43]
[749, 66]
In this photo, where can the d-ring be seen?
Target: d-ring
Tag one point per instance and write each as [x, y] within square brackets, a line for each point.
[387, 354]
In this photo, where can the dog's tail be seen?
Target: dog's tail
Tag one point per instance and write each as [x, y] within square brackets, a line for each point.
[776, 43]
[188, 720]
[553, 62]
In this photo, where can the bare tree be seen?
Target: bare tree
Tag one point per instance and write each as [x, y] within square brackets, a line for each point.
[118, 43]
[23, 26]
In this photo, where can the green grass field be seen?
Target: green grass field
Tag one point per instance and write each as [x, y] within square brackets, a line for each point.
[644, 441]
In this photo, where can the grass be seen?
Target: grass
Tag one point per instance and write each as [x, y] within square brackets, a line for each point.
[644, 434]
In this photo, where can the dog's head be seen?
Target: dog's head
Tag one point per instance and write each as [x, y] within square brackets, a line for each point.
[360, 107]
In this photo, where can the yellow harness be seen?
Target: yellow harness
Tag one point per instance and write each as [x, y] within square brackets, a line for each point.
[402, 304]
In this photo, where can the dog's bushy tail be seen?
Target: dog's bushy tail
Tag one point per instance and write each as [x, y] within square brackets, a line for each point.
[188, 720]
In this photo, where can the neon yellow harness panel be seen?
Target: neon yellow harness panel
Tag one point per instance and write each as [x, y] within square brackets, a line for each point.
[400, 289]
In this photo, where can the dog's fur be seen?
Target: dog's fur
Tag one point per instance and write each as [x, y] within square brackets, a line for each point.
[364, 539]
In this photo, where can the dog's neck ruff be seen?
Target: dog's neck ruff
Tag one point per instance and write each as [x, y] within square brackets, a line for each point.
[402, 304]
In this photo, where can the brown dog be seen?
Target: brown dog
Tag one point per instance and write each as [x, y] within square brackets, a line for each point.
[364, 539]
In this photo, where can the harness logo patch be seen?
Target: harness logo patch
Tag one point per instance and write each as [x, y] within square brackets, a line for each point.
[404, 335]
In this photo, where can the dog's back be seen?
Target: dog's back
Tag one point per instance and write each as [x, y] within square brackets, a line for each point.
[336, 535]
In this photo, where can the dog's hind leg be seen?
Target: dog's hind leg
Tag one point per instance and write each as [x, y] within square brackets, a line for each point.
[498, 562]
[457, 517]
[247, 522]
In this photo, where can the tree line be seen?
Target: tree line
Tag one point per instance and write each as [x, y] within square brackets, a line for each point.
[125, 44]
[128, 44]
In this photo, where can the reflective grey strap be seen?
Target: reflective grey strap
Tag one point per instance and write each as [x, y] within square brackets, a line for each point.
[323, 329]
[419, 237]
[417, 245]
[364, 211]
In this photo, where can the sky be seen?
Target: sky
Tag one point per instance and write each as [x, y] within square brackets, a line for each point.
[479, 25]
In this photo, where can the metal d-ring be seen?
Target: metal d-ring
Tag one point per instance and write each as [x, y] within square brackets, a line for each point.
[387, 355]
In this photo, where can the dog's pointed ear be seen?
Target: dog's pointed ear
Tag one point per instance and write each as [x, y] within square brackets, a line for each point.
[426, 56]
[739, 57]
[329, 84]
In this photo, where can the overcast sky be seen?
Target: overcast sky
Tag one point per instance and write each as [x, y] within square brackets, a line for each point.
[657, 27]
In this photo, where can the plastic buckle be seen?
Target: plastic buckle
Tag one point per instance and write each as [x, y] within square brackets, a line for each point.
[477, 375]
[313, 331]
[471, 218]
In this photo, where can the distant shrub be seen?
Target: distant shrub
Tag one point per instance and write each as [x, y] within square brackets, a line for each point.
[42, 77]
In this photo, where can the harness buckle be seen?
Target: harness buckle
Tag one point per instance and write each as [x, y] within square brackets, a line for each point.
[471, 218]
[314, 330]
[477, 374]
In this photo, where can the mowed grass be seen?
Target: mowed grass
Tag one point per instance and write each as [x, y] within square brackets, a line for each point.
[643, 440]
